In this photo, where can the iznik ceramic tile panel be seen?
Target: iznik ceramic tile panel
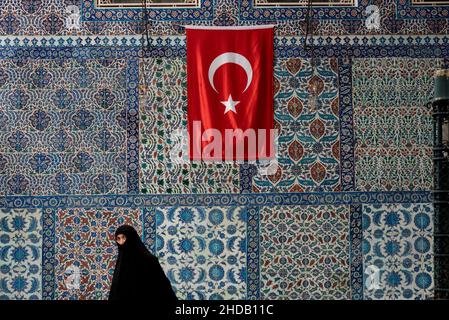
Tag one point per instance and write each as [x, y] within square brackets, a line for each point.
[309, 134]
[305, 252]
[164, 113]
[148, 3]
[314, 3]
[423, 9]
[398, 251]
[83, 17]
[64, 127]
[203, 250]
[286, 10]
[20, 254]
[85, 248]
[393, 123]
[118, 11]
[57, 163]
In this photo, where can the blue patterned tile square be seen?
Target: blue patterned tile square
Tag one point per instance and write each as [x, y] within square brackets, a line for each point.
[90, 11]
[20, 254]
[421, 9]
[68, 127]
[398, 251]
[203, 250]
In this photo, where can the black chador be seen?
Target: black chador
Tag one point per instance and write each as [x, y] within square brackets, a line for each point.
[138, 274]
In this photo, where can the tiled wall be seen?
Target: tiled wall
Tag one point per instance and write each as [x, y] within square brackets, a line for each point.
[346, 215]
[396, 241]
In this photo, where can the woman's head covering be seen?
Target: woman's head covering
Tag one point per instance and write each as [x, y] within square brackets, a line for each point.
[133, 240]
[127, 230]
[138, 274]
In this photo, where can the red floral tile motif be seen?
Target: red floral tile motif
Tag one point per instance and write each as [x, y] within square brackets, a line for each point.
[85, 246]
[309, 135]
[304, 253]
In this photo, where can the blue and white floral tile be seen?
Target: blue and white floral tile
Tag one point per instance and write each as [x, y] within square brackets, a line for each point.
[20, 254]
[203, 250]
[398, 251]
[65, 127]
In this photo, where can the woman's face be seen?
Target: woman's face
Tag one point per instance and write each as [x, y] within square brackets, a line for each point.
[121, 238]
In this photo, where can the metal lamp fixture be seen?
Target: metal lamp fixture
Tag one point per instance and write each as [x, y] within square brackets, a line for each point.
[440, 106]
[441, 85]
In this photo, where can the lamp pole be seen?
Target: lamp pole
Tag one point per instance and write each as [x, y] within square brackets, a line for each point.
[440, 107]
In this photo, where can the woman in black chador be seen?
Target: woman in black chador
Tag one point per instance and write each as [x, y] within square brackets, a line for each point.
[138, 274]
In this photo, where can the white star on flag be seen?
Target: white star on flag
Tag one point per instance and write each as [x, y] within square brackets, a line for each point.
[230, 104]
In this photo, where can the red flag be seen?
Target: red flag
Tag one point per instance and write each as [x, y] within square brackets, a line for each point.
[230, 92]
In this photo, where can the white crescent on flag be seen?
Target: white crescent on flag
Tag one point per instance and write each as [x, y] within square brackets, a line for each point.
[230, 57]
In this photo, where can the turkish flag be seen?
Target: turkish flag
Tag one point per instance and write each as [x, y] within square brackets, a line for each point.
[230, 92]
